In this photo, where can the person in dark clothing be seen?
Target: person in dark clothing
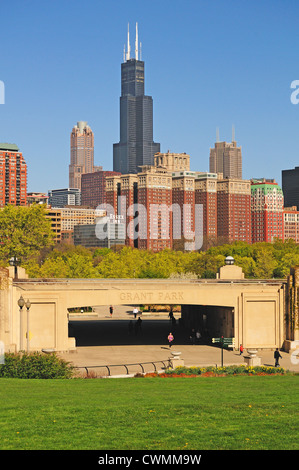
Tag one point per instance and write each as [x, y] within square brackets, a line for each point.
[277, 356]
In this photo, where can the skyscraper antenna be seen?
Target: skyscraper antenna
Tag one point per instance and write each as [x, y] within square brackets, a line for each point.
[233, 133]
[217, 134]
[136, 43]
[128, 45]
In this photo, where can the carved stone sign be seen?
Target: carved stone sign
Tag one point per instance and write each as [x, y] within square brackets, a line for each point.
[151, 296]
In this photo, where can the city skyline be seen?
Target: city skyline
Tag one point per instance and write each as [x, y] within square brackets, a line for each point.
[202, 72]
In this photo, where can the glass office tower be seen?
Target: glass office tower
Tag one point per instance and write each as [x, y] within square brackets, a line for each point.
[136, 146]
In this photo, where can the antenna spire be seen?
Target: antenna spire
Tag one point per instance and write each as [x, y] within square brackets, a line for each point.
[128, 45]
[217, 134]
[233, 133]
[136, 43]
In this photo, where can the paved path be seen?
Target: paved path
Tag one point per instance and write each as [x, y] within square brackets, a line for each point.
[102, 341]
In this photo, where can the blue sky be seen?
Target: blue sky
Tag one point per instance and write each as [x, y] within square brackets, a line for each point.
[208, 64]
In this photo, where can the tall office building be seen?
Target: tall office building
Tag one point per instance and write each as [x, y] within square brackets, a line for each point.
[82, 153]
[290, 187]
[136, 146]
[13, 176]
[226, 159]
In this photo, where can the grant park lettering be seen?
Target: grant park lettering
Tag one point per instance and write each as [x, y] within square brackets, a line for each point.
[144, 297]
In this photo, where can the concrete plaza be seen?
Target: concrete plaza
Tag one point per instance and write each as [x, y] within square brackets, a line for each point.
[105, 341]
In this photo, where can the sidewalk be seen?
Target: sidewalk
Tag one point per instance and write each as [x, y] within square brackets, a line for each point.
[108, 342]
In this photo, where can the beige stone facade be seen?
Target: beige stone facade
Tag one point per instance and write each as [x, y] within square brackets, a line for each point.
[257, 313]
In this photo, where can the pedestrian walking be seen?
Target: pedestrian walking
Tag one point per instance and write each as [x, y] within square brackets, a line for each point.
[277, 356]
[241, 349]
[198, 336]
[111, 310]
[170, 339]
[135, 312]
[192, 336]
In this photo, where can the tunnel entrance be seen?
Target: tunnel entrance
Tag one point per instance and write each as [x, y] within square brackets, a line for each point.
[211, 321]
[190, 324]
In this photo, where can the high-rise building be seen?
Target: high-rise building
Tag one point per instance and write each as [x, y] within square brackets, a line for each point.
[156, 219]
[136, 146]
[233, 210]
[226, 159]
[267, 205]
[290, 187]
[64, 197]
[183, 200]
[93, 188]
[13, 176]
[291, 223]
[82, 153]
[206, 194]
[143, 203]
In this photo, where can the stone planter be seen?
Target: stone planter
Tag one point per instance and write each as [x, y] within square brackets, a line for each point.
[252, 359]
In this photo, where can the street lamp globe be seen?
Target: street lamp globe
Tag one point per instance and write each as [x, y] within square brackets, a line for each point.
[21, 302]
[229, 260]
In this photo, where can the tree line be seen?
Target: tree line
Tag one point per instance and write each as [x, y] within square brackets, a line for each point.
[26, 233]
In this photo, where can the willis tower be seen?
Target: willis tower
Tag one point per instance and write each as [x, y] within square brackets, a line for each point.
[136, 146]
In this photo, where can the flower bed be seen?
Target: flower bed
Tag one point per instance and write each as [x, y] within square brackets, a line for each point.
[219, 371]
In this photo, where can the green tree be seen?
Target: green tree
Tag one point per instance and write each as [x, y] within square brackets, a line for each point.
[24, 231]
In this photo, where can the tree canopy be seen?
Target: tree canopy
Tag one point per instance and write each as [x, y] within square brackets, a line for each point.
[260, 260]
[24, 231]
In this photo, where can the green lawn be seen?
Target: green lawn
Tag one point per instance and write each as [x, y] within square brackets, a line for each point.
[150, 413]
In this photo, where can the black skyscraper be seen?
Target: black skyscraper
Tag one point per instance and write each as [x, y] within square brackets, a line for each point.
[290, 187]
[136, 146]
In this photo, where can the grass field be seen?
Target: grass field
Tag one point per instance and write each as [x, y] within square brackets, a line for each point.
[236, 413]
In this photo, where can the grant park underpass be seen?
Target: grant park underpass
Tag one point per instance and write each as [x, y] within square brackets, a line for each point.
[72, 317]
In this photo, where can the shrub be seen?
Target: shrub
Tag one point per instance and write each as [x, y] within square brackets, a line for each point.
[35, 366]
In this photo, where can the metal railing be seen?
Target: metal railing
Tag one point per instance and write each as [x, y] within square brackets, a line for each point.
[166, 363]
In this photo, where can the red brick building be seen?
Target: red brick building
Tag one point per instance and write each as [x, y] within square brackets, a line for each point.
[13, 176]
[291, 223]
[155, 216]
[233, 210]
[93, 188]
[266, 211]
[206, 194]
[183, 196]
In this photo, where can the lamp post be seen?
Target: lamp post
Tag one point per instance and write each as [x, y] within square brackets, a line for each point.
[14, 262]
[21, 303]
[28, 305]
